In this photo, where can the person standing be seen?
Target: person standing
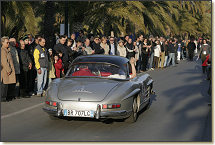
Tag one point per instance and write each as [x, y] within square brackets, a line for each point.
[179, 51]
[14, 88]
[126, 39]
[96, 46]
[171, 51]
[162, 55]
[51, 70]
[88, 49]
[121, 50]
[191, 47]
[204, 51]
[145, 50]
[137, 53]
[199, 44]
[59, 71]
[8, 75]
[153, 44]
[41, 64]
[105, 46]
[31, 72]
[61, 47]
[25, 66]
[130, 49]
[166, 53]
[157, 53]
[139, 45]
[73, 40]
[112, 46]
[183, 52]
[81, 37]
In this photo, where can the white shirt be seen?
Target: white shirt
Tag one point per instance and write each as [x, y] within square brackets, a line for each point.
[157, 50]
[112, 50]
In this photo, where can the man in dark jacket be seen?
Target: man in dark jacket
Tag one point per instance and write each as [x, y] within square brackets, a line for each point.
[96, 46]
[171, 51]
[25, 66]
[61, 47]
[112, 46]
[31, 72]
[191, 47]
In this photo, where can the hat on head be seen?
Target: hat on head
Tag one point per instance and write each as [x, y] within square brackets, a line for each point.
[49, 49]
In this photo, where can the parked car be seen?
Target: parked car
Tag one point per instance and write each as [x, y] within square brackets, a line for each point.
[99, 86]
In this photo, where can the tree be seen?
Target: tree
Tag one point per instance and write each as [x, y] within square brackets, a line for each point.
[17, 19]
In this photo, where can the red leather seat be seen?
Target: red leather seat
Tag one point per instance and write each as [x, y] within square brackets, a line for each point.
[83, 72]
[105, 74]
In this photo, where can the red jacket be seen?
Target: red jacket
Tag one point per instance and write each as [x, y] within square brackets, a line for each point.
[58, 68]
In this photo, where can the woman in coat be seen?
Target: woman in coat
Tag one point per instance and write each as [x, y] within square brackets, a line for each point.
[204, 51]
[121, 50]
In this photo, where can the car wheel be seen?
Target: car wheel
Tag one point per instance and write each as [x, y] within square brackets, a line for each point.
[134, 112]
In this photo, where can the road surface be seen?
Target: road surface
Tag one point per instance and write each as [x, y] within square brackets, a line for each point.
[179, 111]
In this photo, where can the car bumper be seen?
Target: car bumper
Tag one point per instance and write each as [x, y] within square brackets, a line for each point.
[119, 114]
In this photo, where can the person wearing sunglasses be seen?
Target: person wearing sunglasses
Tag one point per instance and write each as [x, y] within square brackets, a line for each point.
[112, 46]
[8, 75]
[96, 46]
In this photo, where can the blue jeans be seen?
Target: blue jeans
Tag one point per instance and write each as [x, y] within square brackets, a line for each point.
[41, 80]
[165, 61]
[171, 57]
[151, 60]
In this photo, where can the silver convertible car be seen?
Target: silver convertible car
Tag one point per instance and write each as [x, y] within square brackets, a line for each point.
[99, 86]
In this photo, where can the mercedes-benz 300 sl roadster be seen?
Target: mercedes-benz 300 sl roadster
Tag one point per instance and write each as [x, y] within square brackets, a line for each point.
[99, 86]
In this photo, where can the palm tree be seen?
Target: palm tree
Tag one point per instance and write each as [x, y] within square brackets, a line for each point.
[17, 18]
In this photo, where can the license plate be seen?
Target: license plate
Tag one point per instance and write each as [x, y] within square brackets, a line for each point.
[76, 113]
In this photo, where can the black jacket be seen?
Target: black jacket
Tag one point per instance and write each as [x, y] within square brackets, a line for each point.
[24, 60]
[60, 47]
[162, 47]
[98, 49]
[171, 48]
[191, 46]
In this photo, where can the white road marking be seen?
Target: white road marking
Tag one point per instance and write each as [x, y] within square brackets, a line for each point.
[21, 111]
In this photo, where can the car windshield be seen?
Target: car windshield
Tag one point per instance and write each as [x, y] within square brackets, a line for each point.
[103, 70]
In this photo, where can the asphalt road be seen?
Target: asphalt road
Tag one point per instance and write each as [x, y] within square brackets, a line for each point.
[179, 111]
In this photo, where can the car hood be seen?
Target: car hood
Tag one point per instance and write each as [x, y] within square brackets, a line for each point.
[85, 89]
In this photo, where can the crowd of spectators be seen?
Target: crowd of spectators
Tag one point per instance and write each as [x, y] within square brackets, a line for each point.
[27, 67]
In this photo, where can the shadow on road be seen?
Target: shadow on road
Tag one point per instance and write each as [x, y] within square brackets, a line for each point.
[189, 104]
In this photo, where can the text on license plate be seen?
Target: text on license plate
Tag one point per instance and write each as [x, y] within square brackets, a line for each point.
[77, 113]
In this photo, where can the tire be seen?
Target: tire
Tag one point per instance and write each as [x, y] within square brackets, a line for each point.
[133, 117]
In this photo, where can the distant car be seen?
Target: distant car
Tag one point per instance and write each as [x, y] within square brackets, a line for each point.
[98, 86]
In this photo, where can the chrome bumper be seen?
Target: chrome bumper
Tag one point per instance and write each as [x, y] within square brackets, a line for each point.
[50, 111]
[98, 113]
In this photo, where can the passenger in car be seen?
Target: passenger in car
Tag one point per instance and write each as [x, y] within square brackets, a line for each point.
[133, 69]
